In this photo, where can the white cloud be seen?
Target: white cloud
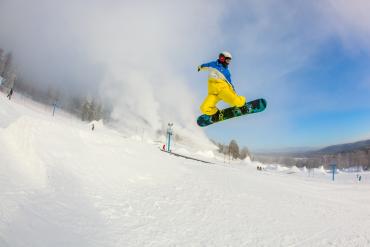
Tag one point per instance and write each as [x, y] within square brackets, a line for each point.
[146, 47]
[350, 20]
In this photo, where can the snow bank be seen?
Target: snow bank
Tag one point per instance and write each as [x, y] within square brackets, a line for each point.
[294, 169]
[321, 170]
[206, 154]
[183, 151]
[97, 124]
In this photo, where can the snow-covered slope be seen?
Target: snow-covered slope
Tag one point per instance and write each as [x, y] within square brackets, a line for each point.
[62, 184]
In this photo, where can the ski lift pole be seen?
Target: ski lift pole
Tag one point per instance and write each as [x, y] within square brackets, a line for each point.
[54, 106]
[334, 168]
[169, 134]
[169, 142]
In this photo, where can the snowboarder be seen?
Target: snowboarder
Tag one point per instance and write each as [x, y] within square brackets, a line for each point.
[220, 86]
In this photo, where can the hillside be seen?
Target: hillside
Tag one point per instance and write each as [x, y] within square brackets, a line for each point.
[344, 148]
[62, 184]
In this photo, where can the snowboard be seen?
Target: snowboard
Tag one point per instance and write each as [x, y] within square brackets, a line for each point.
[250, 107]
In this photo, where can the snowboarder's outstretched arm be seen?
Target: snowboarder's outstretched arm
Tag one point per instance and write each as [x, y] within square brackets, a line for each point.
[207, 66]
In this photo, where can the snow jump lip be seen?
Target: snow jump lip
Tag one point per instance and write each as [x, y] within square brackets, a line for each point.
[186, 157]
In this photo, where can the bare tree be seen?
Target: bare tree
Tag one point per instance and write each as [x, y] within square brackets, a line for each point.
[244, 153]
[2, 61]
[85, 113]
[234, 149]
[6, 67]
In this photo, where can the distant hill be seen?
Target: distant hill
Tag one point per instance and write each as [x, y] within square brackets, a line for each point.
[348, 147]
[344, 155]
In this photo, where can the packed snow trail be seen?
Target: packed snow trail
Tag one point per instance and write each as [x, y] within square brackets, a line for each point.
[63, 185]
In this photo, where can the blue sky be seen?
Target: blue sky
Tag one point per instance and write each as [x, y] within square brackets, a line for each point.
[327, 101]
[317, 83]
[308, 59]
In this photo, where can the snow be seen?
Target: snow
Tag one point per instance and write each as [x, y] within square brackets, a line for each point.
[62, 184]
[207, 154]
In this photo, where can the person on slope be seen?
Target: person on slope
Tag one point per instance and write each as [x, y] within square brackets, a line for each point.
[220, 86]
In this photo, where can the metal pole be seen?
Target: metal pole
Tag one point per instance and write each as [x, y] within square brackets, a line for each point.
[169, 142]
[55, 105]
[333, 172]
[334, 166]
[169, 133]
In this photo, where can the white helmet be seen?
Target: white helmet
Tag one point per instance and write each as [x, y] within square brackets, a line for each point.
[226, 54]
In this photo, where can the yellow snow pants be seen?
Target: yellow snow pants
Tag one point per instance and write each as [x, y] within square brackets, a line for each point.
[220, 90]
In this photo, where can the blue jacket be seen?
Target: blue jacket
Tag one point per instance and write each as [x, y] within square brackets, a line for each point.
[217, 71]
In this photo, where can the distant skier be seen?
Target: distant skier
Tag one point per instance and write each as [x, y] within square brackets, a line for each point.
[10, 94]
[220, 86]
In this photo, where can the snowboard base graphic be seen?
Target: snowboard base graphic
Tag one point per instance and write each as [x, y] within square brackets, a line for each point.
[250, 107]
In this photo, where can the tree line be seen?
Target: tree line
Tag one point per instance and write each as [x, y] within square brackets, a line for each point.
[345, 159]
[84, 106]
[233, 150]
[7, 73]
